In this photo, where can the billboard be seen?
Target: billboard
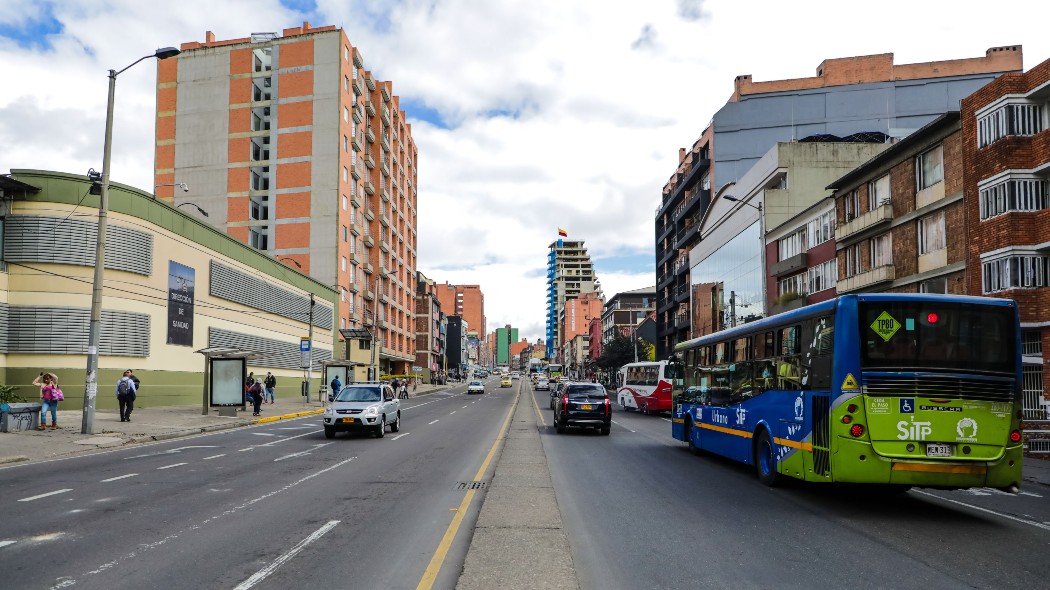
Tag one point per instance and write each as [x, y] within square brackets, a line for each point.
[180, 304]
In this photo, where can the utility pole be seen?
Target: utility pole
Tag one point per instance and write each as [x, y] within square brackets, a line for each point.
[310, 353]
[374, 369]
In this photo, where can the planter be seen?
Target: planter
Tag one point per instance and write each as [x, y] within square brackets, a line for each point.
[19, 417]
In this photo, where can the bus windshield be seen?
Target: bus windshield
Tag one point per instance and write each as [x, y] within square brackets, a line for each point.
[936, 335]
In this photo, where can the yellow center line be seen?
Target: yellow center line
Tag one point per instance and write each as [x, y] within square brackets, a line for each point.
[431, 573]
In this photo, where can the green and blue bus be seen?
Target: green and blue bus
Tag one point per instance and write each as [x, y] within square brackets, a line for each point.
[896, 389]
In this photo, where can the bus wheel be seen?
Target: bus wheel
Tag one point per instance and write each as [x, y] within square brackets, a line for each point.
[689, 439]
[765, 461]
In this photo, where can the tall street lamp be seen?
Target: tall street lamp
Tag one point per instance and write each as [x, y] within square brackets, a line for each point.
[91, 382]
[195, 206]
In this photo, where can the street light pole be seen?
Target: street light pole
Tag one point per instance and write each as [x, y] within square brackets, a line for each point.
[91, 380]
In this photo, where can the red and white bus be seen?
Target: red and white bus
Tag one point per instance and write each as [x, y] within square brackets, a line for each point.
[646, 386]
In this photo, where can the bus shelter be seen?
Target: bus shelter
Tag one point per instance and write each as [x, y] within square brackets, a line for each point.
[225, 369]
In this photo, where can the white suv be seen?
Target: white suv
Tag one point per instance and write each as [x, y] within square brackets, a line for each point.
[363, 406]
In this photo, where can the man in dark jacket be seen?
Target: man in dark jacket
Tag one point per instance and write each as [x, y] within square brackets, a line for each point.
[271, 384]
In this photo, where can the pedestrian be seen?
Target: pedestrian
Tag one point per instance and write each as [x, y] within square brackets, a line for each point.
[271, 385]
[50, 395]
[249, 381]
[336, 386]
[256, 391]
[138, 384]
[126, 396]
[402, 392]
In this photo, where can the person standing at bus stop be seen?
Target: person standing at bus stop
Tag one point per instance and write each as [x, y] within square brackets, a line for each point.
[271, 385]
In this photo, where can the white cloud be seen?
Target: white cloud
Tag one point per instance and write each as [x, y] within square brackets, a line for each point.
[590, 127]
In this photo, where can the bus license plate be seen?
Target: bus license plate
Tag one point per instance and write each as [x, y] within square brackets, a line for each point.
[938, 450]
[586, 407]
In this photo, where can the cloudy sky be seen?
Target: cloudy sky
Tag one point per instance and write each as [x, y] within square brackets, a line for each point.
[529, 115]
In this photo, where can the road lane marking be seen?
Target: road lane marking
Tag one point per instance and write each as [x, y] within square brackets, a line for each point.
[299, 454]
[429, 423]
[434, 567]
[264, 434]
[279, 441]
[622, 426]
[1036, 524]
[214, 457]
[294, 427]
[452, 412]
[400, 435]
[170, 451]
[266, 571]
[31, 498]
[119, 477]
[170, 466]
[6, 543]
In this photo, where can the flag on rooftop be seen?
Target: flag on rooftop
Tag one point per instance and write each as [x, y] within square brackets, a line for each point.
[563, 233]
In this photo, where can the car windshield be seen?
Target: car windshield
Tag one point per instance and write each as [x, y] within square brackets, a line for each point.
[359, 394]
[473, 383]
[585, 391]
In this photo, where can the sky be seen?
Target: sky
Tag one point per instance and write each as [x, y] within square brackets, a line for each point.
[529, 116]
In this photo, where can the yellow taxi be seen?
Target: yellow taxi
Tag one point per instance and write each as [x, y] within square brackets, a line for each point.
[505, 381]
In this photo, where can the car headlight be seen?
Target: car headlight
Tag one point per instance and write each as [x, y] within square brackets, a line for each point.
[329, 411]
[371, 411]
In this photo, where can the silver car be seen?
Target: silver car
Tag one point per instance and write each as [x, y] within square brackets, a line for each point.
[366, 407]
[475, 387]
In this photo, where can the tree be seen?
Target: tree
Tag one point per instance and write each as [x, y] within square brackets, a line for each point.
[618, 352]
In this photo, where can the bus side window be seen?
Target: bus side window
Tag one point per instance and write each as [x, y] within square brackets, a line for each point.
[741, 382]
[765, 375]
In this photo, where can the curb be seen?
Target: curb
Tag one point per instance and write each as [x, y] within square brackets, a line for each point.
[186, 432]
[269, 419]
[13, 459]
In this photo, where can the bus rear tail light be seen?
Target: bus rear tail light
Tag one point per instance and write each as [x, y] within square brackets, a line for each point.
[851, 408]
[1015, 436]
[856, 431]
[847, 419]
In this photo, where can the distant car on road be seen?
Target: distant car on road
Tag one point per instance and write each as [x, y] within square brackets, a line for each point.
[506, 382]
[583, 404]
[515, 375]
[542, 383]
[475, 387]
[363, 407]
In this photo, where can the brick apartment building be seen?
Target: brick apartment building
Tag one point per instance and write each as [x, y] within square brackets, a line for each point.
[293, 147]
[575, 320]
[1006, 158]
[467, 302]
[430, 329]
[846, 96]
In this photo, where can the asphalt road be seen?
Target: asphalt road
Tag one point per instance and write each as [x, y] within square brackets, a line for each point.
[642, 512]
[271, 506]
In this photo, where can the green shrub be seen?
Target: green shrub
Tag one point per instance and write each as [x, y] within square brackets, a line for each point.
[8, 395]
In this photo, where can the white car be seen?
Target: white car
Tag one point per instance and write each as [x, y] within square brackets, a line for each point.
[363, 406]
[543, 383]
[475, 387]
[515, 375]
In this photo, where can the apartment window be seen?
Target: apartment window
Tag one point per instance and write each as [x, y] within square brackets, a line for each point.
[820, 229]
[882, 250]
[343, 263]
[1016, 272]
[878, 192]
[346, 174]
[851, 205]
[853, 260]
[260, 210]
[705, 181]
[935, 285]
[346, 144]
[792, 284]
[1014, 194]
[353, 212]
[1011, 119]
[346, 54]
[353, 246]
[931, 233]
[930, 167]
[346, 83]
[258, 238]
[792, 245]
[823, 276]
[344, 206]
[346, 114]
[346, 234]
[342, 295]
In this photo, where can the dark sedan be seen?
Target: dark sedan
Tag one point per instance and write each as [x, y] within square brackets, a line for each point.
[583, 404]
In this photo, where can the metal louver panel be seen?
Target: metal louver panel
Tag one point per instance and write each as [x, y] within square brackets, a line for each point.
[988, 389]
[61, 330]
[240, 287]
[3, 327]
[821, 435]
[57, 240]
[276, 354]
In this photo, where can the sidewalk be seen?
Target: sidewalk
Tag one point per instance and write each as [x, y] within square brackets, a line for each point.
[147, 424]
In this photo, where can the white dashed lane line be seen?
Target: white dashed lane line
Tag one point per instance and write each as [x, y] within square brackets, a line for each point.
[622, 426]
[213, 457]
[6, 543]
[264, 434]
[31, 498]
[170, 466]
[400, 435]
[119, 477]
[429, 423]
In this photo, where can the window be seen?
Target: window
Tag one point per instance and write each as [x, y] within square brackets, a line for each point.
[342, 296]
[705, 180]
[1014, 194]
[1011, 119]
[260, 209]
[346, 114]
[344, 206]
[346, 83]
[931, 233]
[346, 54]
[346, 174]
[851, 205]
[792, 245]
[820, 229]
[346, 234]
[258, 238]
[793, 284]
[346, 144]
[1016, 272]
[823, 276]
[878, 192]
[930, 168]
[882, 250]
[853, 260]
[935, 285]
[343, 263]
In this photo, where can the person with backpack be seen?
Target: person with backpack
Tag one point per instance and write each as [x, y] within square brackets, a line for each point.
[50, 395]
[336, 386]
[126, 396]
[271, 384]
[256, 391]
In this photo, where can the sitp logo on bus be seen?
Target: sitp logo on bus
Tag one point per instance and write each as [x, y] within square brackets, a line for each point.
[913, 430]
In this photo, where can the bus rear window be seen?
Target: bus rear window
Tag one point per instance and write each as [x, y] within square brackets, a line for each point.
[935, 335]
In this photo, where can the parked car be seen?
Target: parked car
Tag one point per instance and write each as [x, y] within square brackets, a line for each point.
[475, 387]
[363, 407]
[583, 404]
[542, 383]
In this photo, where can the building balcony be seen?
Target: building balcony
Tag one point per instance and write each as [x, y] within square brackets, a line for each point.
[929, 195]
[359, 115]
[384, 167]
[687, 236]
[681, 266]
[354, 288]
[356, 200]
[681, 319]
[369, 295]
[355, 258]
[789, 265]
[874, 218]
[370, 242]
[371, 190]
[370, 136]
[370, 215]
[384, 113]
[384, 245]
[355, 170]
[359, 89]
[383, 219]
[370, 161]
[354, 229]
[383, 324]
[383, 297]
[357, 59]
[864, 280]
[370, 82]
[355, 142]
[384, 271]
[681, 293]
[384, 194]
[370, 108]
[368, 268]
[386, 93]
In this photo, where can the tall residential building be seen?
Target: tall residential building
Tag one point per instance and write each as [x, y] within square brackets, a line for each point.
[847, 99]
[569, 273]
[430, 333]
[466, 301]
[292, 146]
[1006, 186]
[505, 337]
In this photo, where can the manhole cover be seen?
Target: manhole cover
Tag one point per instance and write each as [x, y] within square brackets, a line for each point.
[470, 485]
